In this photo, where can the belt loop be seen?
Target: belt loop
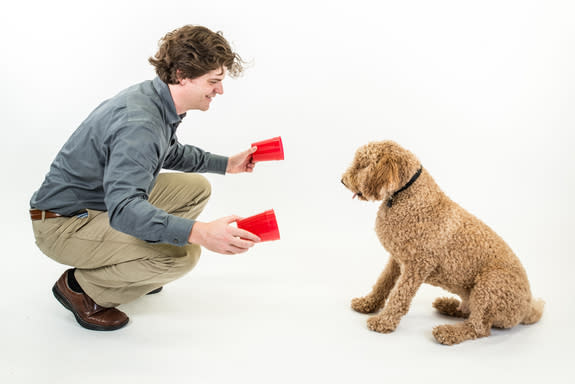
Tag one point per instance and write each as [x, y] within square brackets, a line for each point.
[43, 216]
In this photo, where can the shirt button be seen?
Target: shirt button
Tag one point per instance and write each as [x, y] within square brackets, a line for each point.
[176, 241]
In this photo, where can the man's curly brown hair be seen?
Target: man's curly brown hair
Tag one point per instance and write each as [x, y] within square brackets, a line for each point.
[192, 51]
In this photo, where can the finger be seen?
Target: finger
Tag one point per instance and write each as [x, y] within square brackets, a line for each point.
[247, 153]
[242, 233]
[231, 219]
[231, 249]
[236, 250]
[242, 243]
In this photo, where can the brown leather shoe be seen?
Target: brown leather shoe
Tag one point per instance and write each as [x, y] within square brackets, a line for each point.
[88, 314]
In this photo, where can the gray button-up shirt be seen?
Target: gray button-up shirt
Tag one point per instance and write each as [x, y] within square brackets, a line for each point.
[110, 163]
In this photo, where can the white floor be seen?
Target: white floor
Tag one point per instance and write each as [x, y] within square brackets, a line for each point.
[278, 314]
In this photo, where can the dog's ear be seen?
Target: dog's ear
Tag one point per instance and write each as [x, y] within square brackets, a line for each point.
[381, 179]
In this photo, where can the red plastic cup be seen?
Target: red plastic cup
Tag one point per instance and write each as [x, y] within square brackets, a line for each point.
[264, 225]
[270, 149]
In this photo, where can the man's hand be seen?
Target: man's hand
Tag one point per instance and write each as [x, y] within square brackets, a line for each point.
[242, 162]
[221, 237]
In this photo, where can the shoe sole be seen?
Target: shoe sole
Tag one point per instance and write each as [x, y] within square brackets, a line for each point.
[155, 291]
[94, 327]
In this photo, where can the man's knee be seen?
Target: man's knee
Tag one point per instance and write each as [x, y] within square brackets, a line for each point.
[192, 187]
[199, 186]
[183, 194]
[199, 191]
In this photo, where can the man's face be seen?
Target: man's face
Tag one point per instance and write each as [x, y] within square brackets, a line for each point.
[199, 92]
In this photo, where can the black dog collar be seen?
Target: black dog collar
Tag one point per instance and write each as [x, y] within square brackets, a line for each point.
[411, 181]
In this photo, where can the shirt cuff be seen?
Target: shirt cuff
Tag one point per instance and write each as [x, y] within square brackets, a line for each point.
[178, 230]
[217, 164]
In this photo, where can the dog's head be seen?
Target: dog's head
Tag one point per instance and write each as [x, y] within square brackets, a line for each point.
[379, 169]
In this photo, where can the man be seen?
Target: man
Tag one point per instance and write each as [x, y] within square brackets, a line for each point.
[105, 209]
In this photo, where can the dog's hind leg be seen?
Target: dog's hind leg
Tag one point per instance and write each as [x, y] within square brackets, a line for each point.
[498, 299]
[376, 298]
[478, 324]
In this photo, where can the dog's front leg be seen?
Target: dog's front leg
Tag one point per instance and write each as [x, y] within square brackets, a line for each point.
[376, 298]
[399, 301]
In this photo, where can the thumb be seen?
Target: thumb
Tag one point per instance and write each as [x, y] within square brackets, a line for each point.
[230, 219]
[252, 150]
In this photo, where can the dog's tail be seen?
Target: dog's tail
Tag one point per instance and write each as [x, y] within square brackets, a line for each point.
[535, 312]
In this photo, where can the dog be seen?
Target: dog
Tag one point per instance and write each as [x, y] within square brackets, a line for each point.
[431, 239]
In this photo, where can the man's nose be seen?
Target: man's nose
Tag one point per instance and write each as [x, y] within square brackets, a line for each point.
[220, 88]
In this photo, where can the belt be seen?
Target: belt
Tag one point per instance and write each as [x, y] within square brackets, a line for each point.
[36, 214]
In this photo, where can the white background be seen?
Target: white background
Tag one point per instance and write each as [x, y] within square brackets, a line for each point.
[482, 92]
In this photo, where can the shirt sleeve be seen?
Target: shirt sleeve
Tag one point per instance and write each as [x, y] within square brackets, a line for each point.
[133, 160]
[187, 158]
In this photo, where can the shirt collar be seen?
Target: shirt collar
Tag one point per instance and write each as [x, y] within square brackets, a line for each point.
[164, 91]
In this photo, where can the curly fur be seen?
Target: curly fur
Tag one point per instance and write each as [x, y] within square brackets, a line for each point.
[431, 239]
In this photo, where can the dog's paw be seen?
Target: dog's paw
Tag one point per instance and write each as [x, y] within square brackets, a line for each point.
[449, 306]
[364, 305]
[453, 334]
[381, 324]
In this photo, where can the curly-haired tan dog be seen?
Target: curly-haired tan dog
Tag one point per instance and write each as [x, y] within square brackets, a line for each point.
[433, 240]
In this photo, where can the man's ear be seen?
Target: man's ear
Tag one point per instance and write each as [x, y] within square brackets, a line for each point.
[179, 77]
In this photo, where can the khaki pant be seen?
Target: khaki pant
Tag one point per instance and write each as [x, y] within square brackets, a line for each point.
[114, 268]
